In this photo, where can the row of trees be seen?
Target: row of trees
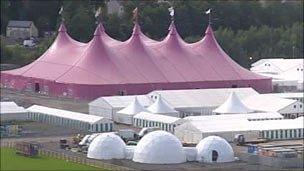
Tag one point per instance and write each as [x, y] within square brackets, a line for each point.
[243, 28]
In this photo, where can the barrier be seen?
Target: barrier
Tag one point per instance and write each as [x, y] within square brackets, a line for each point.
[71, 158]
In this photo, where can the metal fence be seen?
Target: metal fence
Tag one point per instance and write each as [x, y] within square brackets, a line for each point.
[71, 158]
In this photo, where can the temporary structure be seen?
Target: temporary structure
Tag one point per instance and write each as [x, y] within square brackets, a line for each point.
[146, 119]
[286, 74]
[102, 66]
[70, 119]
[199, 101]
[108, 106]
[214, 149]
[126, 114]
[232, 105]
[10, 111]
[160, 106]
[270, 103]
[193, 131]
[159, 147]
[107, 146]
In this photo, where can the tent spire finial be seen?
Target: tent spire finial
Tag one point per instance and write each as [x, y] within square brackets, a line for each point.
[209, 15]
[98, 15]
[135, 15]
[171, 12]
[61, 14]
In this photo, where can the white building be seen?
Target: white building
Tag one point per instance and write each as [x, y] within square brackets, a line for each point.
[280, 129]
[214, 149]
[69, 119]
[186, 102]
[269, 103]
[108, 106]
[287, 74]
[248, 116]
[199, 101]
[146, 119]
[294, 96]
[107, 146]
[232, 105]
[159, 147]
[160, 106]
[126, 114]
[10, 111]
[194, 131]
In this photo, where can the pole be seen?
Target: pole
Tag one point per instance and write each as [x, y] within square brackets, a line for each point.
[293, 52]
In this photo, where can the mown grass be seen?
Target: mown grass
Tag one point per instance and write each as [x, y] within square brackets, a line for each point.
[11, 161]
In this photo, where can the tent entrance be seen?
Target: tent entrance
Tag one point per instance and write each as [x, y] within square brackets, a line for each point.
[37, 87]
[214, 155]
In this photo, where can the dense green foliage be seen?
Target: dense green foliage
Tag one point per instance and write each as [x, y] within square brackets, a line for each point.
[11, 161]
[244, 29]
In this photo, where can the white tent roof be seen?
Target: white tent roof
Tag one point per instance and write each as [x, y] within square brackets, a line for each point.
[278, 124]
[157, 118]
[11, 107]
[266, 102]
[121, 101]
[248, 116]
[133, 108]
[159, 147]
[66, 114]
[197, 98]
[161, 106]
[245, 125]
[107, 146]
[214, 143]
[281, 63]
[288, 95]
[6, 103]
[232, 105]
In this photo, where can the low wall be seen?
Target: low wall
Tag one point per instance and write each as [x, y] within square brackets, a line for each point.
[275, 162]
[71, 158]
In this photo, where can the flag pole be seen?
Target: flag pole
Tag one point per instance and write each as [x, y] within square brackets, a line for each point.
[98, 15]
[61, 13]
[171, 12]
[135, 15]
[209, 15]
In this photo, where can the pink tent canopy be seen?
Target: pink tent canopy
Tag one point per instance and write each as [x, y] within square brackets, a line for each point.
[106, 66]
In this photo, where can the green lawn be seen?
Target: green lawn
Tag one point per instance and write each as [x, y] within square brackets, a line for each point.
[11, 161]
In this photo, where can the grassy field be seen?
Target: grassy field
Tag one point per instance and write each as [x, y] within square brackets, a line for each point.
[11, 161]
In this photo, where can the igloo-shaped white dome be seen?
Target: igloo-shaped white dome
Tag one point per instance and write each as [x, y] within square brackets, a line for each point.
[159, 147]
[214, 149]
[107, 146]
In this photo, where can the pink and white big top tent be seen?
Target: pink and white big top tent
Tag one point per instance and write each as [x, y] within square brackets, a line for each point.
[105, 66]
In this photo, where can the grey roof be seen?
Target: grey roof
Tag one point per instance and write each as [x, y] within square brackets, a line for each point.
[20, 24]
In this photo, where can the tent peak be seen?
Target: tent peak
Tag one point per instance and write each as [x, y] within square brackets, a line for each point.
[98, 30]
[209, 30]
[172, 28]
[136, 29]
[160, 106]
[101, 27]
[62, 28]
[232, 105]
[133, 108]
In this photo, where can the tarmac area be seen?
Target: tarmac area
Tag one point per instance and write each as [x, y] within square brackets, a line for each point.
[49, 136]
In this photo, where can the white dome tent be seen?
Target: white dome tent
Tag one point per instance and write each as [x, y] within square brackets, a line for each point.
[107, 146]
[160, 106]
[126, 114]
[159, 147]
[214, 149]
[232, 105]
